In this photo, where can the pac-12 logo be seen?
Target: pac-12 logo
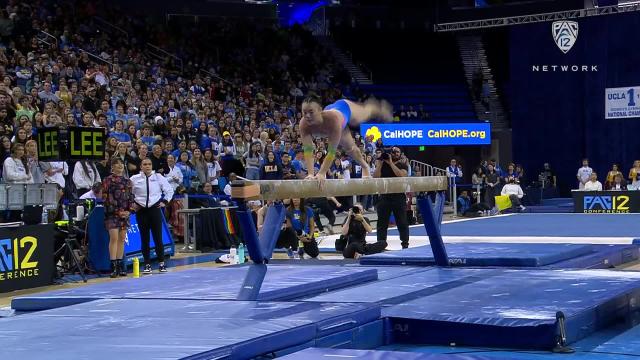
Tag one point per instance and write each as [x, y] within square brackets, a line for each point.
[565, 34]
[606, 204]
[16, 258]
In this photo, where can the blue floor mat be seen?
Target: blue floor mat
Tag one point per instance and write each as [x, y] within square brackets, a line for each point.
[603, 257]
[517, 308]
[174, 329]
[615, 343]
[282, 282]
[557, 225]
[483, 254]
[328, 354]
[497, 307]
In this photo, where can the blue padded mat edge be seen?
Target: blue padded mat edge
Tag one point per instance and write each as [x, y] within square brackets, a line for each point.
[282, 282]
[484, 254]
[325, 354]
[190, 329]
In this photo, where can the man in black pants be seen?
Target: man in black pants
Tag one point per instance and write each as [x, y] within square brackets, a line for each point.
[151, 193]
[390, 166]
[321, 206]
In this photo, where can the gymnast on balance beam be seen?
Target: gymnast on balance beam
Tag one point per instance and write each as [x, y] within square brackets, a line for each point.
[336, 122]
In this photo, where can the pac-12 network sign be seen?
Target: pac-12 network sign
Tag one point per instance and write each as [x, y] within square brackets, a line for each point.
[429, 134]
[622, 103]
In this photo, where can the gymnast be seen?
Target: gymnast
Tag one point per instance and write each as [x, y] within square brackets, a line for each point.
[336, 122]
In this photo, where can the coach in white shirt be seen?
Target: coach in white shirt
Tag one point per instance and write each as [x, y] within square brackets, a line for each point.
[151, 193]
[593, 184]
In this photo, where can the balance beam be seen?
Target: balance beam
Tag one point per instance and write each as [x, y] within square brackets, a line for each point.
[285, 189]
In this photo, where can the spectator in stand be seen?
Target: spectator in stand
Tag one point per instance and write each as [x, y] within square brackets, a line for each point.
[158, 160]
[478, 179]
[584, 174]
[271, 170]
[634, 176]
[492, 181]
[119, 134]
[454, 171]
[510, 173]
[201, 169]
[611, 175]
[85, 174]
[593, 184]
[515, 193]
[547, 176]
[174, 175]
[288, 171]
[35, 167]
[464, 202]
[253, 160]
[188, 172]
[227, 188]
[15, 168]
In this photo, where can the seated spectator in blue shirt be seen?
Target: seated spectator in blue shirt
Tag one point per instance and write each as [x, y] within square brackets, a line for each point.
[147, 138]
[119, 134]
[464, 202]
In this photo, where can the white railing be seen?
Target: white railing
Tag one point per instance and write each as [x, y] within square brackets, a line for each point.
[49, 36]
[430, 170]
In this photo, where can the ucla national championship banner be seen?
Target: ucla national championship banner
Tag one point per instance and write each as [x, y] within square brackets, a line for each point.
[429, 134]
[621, 103]
[606, 202]
[26, 257]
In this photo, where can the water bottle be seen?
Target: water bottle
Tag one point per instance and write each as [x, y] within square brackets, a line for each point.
[233, 255]
[136, 267]
[45, 216]
[241, 256]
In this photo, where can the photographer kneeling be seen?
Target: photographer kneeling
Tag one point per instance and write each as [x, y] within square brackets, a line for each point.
[353, 243]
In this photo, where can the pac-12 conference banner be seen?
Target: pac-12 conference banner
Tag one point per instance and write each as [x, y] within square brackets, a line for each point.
[622, 103]
[429, 134]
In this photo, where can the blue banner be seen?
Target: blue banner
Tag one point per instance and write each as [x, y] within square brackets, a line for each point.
[429, 134]
[133, 241]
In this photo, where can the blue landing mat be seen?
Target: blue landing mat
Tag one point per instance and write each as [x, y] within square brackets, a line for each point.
[556, 225]
[483, 254]
[174, 329]
[497, 307]
[331, 354]
[603, 257]
[517, 308]
[611, 344]
[282, 282]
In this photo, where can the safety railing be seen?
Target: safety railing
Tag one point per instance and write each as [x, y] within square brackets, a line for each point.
[97, 57]
[430, 170]
[209, 73]
[42, 35]
[163, 53]
[112, 26]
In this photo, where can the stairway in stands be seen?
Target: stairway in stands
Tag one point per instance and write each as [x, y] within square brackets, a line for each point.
[358, 72]
[443, 102]
[474, 57]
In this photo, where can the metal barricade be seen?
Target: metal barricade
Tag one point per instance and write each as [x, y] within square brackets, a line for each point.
[17, 196]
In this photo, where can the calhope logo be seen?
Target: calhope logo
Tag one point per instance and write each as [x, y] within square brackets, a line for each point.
[565, 34]
[375, 132]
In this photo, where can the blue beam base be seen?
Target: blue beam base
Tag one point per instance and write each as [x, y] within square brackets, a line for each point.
[432, 219]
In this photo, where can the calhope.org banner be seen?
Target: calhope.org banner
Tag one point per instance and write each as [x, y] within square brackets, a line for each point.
[429, 134]
[622, 103]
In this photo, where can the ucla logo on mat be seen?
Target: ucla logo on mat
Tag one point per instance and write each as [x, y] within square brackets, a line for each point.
[565, 34]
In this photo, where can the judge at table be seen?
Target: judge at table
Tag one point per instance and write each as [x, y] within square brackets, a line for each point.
[593, 184]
